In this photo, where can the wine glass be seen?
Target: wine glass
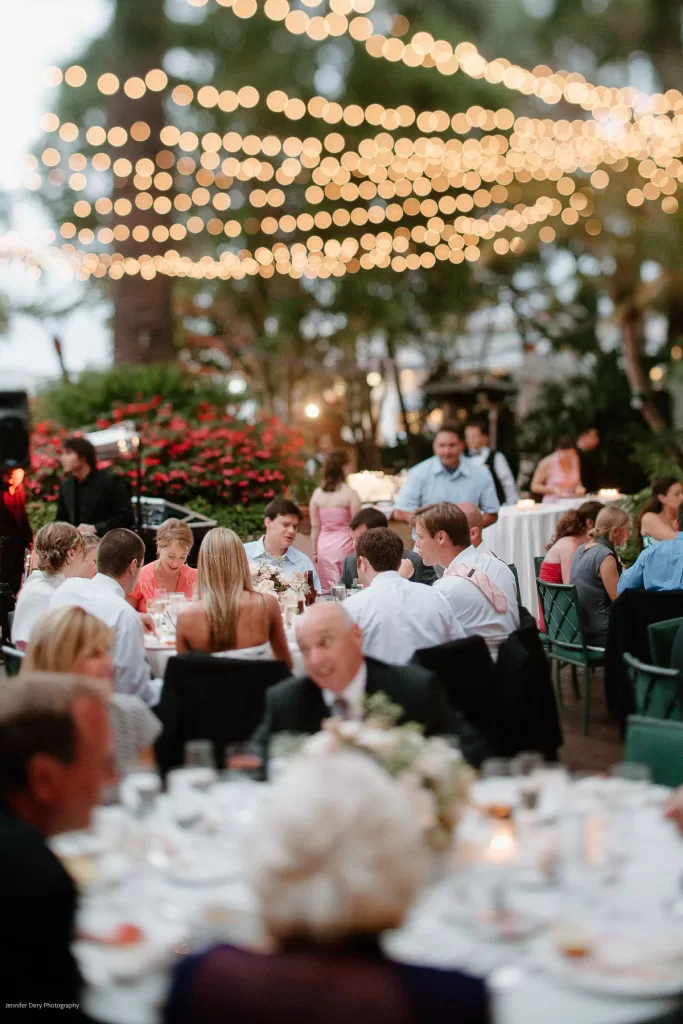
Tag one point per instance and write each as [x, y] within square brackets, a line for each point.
[200, 764]
[157, 609]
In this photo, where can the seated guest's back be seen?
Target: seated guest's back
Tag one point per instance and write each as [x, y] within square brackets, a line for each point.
[397, 617]
[595, 572]
[337, 858]
[70, 640]
[570, 533]
[659, 566]
[120, 557]
[484, 606]
[61, 553]
[55, 760]
[339, 678]
[229, 615]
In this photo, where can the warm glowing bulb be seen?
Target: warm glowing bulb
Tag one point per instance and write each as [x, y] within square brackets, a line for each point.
[312, 411]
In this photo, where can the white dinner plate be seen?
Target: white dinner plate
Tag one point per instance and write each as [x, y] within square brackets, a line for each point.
[605, 972]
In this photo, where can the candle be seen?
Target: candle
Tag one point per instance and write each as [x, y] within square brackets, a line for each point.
[526, 503]
[608, 492]
[502, 847]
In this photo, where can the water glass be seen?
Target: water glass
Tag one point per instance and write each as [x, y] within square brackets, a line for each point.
[176, 603]
[139, 792]
[200, 761]
[338, 594]
[496, 794]
[527, 767]
[157, 609]
[357, 585]
[186, 798]
[243, 763]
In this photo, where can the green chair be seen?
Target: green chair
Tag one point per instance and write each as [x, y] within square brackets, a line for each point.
[513, 569]
[656, 690]
[538, 562]
[657, 744]
[12, 659]
[661, 637]
[566, 641]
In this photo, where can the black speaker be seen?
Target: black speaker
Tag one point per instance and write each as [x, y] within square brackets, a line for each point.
[14, 430]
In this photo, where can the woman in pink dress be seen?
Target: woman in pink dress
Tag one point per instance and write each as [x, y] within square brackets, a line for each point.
[169, 572]
[559, 475]
[332, 507]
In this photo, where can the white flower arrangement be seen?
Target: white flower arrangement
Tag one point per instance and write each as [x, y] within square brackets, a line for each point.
[270, 578]
[432, 772]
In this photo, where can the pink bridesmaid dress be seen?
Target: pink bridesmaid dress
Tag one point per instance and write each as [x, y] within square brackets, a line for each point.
[567, 480]
[334, 544]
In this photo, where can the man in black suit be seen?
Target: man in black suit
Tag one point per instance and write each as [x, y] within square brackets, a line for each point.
[339, 678]
[91, 499]
[373, 519]
[55, 760]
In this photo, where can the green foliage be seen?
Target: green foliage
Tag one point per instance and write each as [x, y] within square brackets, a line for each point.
[246, 521]
[40, 513]
[97, 392]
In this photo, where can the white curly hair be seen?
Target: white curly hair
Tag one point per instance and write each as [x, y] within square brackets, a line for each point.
[337, 851]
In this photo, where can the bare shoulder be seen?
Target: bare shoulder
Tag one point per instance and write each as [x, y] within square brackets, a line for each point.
[193, 613]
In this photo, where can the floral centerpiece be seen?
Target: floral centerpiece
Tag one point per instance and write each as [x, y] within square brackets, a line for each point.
[433, 773]
[270, 578]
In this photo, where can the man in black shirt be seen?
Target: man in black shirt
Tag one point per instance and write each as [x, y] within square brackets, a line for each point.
[55, 760]
[91, 499]
[587, 445]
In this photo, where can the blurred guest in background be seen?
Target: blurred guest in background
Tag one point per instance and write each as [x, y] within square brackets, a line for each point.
[92, 499]
[119, 560]
[70, 640]
[477, 441]
[169, 572]
[360, 863]
[55, 761]
[332, 507]
[657, 519]
[324, 445]
[595, 571]
[483, 596]
[372, 519]
[282, 518]
[658, 567]
[229, 616]
[397, 618]
[447, 476]
[61, 553]
[592, 469]
[570, 533]
[559, 475]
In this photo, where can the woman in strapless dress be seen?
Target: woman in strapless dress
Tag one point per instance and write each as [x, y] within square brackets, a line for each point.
[229, 617]
[559, 475]
[333, 506]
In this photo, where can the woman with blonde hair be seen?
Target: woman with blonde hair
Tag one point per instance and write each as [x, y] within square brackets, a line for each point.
[71, 640]
[59, 553]
[229, 616]
[169, 572]
[333, 505]
[596, 569]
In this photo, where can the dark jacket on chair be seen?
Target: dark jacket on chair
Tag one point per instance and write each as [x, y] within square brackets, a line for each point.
[423, 573]
[298, 706]
[103, 500]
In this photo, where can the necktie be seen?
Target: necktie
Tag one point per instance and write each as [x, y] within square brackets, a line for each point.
[484, 583]
[341, 708]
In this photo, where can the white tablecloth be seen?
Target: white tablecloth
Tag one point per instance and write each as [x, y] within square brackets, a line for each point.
[523, 992]
[522, 534]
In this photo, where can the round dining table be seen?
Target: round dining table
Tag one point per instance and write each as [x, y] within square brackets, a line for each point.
[190, 889]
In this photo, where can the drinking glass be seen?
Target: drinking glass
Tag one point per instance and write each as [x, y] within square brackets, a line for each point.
[357, 585]
[497, 796]
[176, 603]
[338, 594]
[527, 767]
[200, 764]
[186, 799]
[243, 763]
[157, 610]
[139, 792]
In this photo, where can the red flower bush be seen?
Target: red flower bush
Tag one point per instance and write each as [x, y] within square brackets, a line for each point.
[214, 456]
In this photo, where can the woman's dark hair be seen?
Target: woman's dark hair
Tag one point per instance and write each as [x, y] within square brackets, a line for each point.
[575, 522]
[565, 442]
[373, 518]
[333, 469]
[82, 447]
[660, 486]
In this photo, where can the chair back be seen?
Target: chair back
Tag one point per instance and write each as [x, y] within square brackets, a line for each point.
[560, 607]
[12, 659]
[538, 562]
[656, 691]
[513, 569]
[661, 637]
[657, 744]
[467, 674]
[526, 707]
[216, 699]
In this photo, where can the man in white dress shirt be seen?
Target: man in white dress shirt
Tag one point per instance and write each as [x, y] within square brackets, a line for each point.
[477, 441]
[486, 605]
[120, 558]
[479, 553]
[397, 617]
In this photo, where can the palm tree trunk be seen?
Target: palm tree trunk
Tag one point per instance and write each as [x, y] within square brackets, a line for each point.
[632, 329]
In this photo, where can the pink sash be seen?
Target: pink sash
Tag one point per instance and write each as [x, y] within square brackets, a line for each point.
[491, 592]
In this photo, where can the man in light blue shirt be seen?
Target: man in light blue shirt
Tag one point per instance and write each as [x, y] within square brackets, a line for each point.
[659, 567]
[448, 476]
[282, 522]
